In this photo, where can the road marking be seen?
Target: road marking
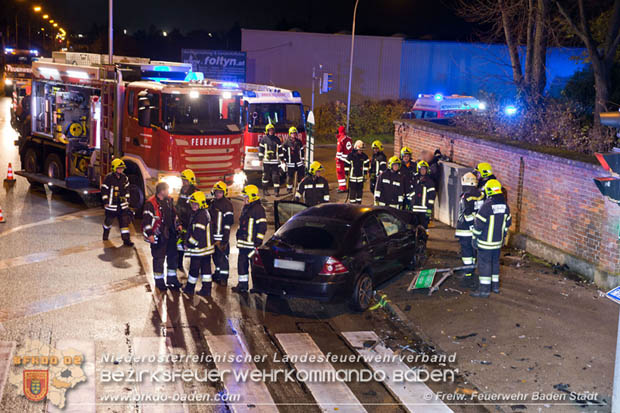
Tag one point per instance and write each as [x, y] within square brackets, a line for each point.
[92, 212]
[53, 254]
[65, 300]
[82, 398]
[6, 355]
[413, 395]
[255, 396]
[335, 396]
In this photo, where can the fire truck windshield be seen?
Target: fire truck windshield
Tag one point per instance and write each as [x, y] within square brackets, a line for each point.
[281, 115]
[19, 58]
[200, 115]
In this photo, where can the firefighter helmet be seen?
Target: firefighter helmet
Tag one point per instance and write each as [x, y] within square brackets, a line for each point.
[423, 164]
[199, 198]
[292, 130]
[405, 151]
[315, 167]
[493, 187]
[377, 145]
[484, 169]
[220, 186]
[269, 126]
[359, 145]
[469, 179]
[394, 160]
[189, 176]
[118, 163]
[251, 192]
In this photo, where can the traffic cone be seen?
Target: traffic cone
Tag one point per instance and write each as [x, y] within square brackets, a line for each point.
[2, 220]
[10, 178]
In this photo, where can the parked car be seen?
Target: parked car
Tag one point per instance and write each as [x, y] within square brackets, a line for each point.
[332, 252]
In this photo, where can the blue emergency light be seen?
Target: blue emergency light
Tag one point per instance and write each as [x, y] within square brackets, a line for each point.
[230, 85]
[438, 97]
[161, 68]
[250, 93]
[510, 110]
[296, 94]
[195, 76]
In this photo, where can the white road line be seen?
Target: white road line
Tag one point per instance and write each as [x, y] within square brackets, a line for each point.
[81, 398]
[156, 346]
[336, 396]
[92, 212]
[7, 348]
[255, 396]
[413, 395]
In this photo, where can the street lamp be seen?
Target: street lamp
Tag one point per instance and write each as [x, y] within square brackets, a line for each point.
[351, 63]
[55, 24]
[52, 21]
[46, 16]
[36, 9]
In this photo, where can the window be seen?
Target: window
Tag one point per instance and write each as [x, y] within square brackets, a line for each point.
[281, 115]
[200, 115]
[373, 231]
[391, 224]
[430, 115]
[130, 103]
[309, 233]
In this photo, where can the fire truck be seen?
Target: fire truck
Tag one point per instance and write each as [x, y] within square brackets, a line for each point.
[263, 105]
[148, 113]
[17, 81]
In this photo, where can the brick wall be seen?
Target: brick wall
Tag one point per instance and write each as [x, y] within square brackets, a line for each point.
[557, 207]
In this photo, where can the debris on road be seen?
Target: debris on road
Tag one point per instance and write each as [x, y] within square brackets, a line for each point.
[465, 336]
[483, 362]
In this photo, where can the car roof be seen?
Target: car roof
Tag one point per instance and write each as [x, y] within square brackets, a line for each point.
[340, 212]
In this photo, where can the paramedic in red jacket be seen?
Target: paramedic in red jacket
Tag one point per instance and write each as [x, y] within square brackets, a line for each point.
[343, 149]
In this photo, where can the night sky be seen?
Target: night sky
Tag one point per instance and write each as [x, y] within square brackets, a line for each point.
[414, 18]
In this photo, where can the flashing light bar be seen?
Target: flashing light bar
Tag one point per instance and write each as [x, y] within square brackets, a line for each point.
[34, 51]
[77, 74]
[482, 106]
[226, 95]
[230, 84]
[161, 68]
[8, 50]
[438, 97]
[193, 94]
[49, 71]
[195, 77]
[250, 93]
[510, 110]
[296, 94]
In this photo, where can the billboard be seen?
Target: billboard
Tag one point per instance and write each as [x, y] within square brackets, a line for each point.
[217, 64]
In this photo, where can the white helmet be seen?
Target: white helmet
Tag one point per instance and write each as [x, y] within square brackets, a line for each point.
[359, 145]
[469, 179]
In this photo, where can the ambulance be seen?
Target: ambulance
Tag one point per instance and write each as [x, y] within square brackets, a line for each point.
[438, 106]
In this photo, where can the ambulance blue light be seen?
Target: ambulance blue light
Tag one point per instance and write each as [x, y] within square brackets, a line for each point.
[250, 93]
[510, 110]
[161, 68]
[482, 106]
[195, 76]
[157, 79]
[296, 94]
[230, 84]
[438, 97]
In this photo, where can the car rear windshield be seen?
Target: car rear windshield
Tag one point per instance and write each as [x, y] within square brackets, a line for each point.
[313, 233]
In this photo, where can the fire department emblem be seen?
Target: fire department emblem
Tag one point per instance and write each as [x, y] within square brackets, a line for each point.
[35, 384]
[349, 146]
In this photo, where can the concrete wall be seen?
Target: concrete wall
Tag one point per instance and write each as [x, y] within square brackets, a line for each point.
[558, 213]
[286, 59]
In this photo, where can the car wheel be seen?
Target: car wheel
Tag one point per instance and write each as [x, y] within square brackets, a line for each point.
[362, 293]
[419, 251]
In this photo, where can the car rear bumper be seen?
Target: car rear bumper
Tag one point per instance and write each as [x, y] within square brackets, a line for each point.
[325, 291]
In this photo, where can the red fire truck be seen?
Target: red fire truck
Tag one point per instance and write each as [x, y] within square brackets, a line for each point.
[85, 113]
[263, 105]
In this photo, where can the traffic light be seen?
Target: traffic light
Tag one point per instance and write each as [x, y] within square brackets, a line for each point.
[326, 85]
[610, 185]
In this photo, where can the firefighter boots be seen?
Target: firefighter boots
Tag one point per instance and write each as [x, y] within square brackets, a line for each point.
[172, 280]
[468, 282]
[266, 191]
[241, 288]
[205, 290]
[160, 283]
[483, 291]
[495, 287]
[127, 242]
[106, 234]
[189, 288]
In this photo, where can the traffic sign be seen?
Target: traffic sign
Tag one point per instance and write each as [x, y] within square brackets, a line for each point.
[614, 295]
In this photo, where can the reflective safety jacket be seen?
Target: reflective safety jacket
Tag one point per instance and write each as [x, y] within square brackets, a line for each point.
[422, 194]
[115, 192]
[270, 150]
[357, 165]
[314, 190]
[252, 226]
[293, 152]
[491, 223]
[390, 189]
[343, 149]
[378, 164]
[470, 202]
[199, 239]
[159, 218]
[222, 218]
[184, 211]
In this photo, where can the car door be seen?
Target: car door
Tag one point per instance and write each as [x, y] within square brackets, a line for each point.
[374, 241]
[285, 210]
[399, 242]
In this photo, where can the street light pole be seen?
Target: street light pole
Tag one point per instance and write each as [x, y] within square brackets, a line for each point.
[110, 32]
[351, 63]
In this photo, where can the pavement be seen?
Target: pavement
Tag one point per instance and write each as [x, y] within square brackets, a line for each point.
[65, 289]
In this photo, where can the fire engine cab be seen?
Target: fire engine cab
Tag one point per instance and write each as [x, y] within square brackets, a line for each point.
[438, 106]
[85, 113]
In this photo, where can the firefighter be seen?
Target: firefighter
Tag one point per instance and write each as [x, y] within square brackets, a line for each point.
[378, 164]
[115, 197]
[343, 149]
[199, 245]
[468, 205]
[293, 152]
[490, 227]
[422, 194]
[357, 166]
[484, 173]
[250, 234]
[222, 219]
[390, 189]
[184, 211]
[408, 170]
[270, 152]
[313, 188]
[159, 226]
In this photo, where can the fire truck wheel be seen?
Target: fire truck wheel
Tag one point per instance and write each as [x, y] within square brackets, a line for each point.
[54, 168]
[31, 164]
[136, 192]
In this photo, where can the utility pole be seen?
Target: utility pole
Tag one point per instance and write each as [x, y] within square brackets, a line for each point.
[111, 32]
[351, 63]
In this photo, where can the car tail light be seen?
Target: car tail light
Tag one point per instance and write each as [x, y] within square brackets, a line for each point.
[333, 267]
[257, 260]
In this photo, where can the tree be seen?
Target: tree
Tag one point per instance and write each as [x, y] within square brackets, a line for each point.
[517, 22]
[601, 53]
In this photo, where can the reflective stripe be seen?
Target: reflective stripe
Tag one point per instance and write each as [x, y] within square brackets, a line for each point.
[260, 236]
[326, 198]
[106, 226]
[192, 280]
[124, 230]
[258, 221]
[495, 278]
[463, 233]
[158, 276]
[192, 240]
[206, 278]
[250, 231]
[491, 229]
[485, 280]
[201, 226]
[481, 218]
[172, 272]
[243, 278]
